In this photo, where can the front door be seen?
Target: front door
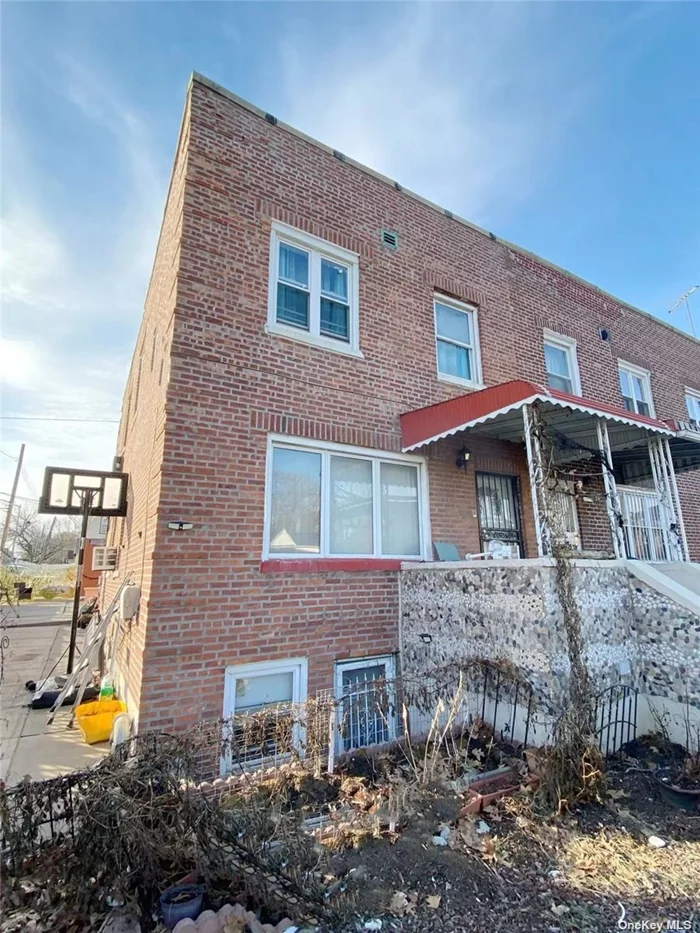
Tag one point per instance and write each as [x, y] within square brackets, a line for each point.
[499, 514]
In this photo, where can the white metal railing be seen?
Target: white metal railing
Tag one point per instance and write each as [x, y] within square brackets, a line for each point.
[645, 524]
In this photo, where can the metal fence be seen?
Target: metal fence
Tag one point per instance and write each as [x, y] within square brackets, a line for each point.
[487, 699]
[615, 717]
[370, 712]
[37, 813]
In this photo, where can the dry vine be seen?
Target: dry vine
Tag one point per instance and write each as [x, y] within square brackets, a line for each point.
[574, 767]
[141, 821]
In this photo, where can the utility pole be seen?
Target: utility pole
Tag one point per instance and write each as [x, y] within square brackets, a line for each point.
[11, 505]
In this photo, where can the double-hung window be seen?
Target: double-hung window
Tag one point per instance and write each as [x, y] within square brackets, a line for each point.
[343, 502]
[692, 400]
[457, 342]
[313, 290]
[561, 363]
[635, 387]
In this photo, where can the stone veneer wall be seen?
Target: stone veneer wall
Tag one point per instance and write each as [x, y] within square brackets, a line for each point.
[512, 612]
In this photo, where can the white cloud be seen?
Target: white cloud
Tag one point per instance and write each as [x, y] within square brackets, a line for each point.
[72, 302]
[19, 364]
[32, 259]
[463, 103]
[46, 260]
[100, 102]
[38, 381]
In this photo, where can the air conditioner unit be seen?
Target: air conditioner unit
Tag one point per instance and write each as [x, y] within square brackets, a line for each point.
[104, 558]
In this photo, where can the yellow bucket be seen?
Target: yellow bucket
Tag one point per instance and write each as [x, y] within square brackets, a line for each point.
[95, 719]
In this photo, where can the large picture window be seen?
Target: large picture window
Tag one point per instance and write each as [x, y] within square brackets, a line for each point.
[343, 502]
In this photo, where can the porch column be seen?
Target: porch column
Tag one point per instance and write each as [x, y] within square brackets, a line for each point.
[535, 467]
[612, 501]
[676, 498]
[665, 482]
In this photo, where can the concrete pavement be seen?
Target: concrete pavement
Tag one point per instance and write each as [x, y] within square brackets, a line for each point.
[38, 634]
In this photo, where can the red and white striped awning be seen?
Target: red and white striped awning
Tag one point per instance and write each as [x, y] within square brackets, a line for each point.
[497, 411]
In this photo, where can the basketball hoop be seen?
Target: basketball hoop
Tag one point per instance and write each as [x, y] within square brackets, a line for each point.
[85, 493]
[65, 491]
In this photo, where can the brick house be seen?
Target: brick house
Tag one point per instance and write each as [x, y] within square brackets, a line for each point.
[333, 376]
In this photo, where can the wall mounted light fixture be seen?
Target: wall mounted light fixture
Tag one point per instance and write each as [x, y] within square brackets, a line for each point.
[462, 460]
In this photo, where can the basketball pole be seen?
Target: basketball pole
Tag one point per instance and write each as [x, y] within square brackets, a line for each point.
[87, 495]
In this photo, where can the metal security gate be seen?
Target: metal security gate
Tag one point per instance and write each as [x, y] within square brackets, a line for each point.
[367, 709]
[498, 503]
[645, 524]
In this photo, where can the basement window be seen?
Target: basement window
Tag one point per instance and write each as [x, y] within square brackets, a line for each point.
[259, 703]
[366, 691]
[313, 291]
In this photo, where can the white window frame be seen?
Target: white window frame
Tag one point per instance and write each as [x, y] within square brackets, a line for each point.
[364, 453]
[298, 667]
[346, 664]
[645, 376]
[695, 395]
[317, 249]
[569, 346]
[472, 313]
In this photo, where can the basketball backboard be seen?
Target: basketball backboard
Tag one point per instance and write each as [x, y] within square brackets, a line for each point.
[64, 489]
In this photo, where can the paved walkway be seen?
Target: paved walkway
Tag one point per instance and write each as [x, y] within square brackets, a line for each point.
[38, 634]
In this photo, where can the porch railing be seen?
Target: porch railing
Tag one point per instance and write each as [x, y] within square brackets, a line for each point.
[645, 524]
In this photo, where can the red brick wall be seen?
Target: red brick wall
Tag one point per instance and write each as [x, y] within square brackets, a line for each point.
[141, 437]
[206, 603]
[453, 506]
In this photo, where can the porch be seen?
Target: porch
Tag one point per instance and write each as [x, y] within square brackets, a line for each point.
[585, 459]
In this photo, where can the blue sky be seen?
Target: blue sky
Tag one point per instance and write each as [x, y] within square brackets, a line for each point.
[572, 129]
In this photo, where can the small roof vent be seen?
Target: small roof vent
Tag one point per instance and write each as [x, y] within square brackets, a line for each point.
[389, 238]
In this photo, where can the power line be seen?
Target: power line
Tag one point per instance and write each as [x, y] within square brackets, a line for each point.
[80, 420]
[8, 455]
[26, 498]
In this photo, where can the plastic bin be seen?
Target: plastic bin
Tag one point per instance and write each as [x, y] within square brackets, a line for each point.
[95, 719]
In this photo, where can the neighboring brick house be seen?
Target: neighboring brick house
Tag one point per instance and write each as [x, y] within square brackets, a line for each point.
[301, 303]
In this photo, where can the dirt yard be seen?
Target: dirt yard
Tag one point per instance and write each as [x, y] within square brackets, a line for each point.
[388, 843]
[568, 874]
